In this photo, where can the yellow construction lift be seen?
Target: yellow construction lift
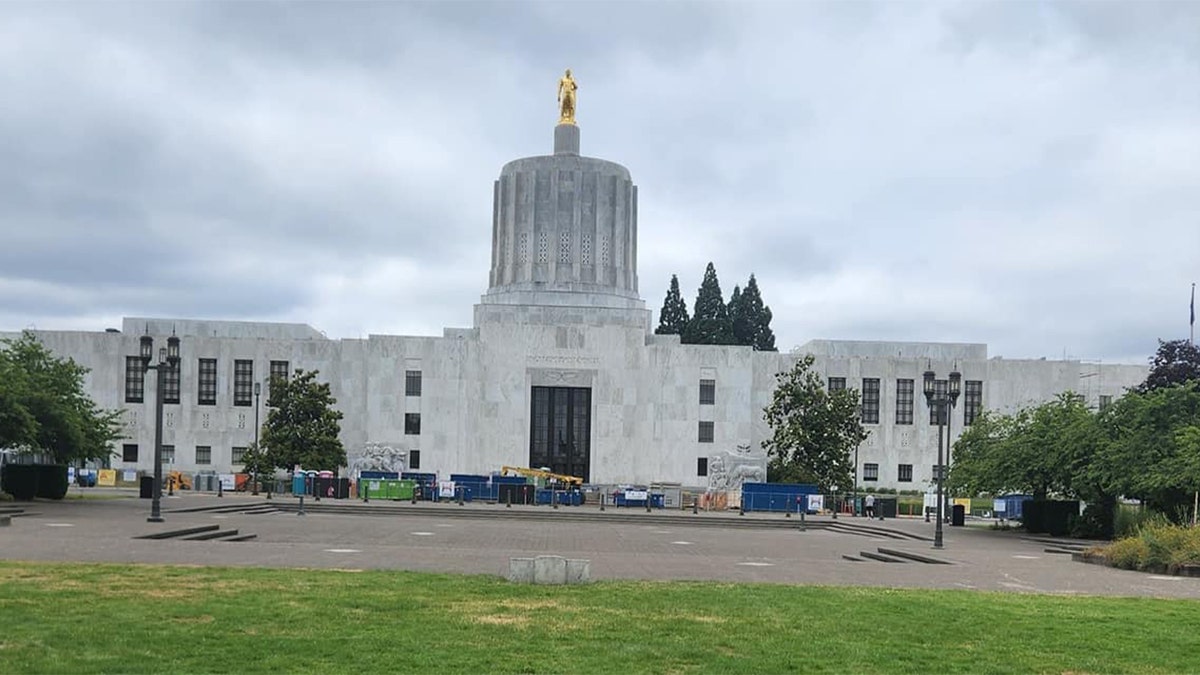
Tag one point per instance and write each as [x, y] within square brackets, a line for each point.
[543, 474]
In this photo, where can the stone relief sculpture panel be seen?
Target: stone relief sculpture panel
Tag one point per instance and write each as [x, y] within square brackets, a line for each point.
[378, 457]
[727, 471]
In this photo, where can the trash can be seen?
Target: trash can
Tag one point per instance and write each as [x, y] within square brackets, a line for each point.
[958, 515]
[146, 487]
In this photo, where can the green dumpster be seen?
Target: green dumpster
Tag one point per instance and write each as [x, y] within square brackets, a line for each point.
[404, 489]
[390, 488]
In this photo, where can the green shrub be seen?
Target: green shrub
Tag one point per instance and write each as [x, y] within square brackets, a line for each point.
[1127, 554]
[52, 481]
[20, 481]
[27, 481]
[1131, 519]
[1096, 522]
[1050, 516]
[5, 497]
[1156, 546]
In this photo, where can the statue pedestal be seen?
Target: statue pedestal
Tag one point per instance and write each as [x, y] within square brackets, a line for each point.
[566, 139]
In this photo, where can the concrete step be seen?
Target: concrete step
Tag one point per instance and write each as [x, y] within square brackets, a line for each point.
[171, 534]
[243, 537]
[851, 558]
[215, 534]
[880, 557]
[916, 557]
[1076, 544]
[874, 531]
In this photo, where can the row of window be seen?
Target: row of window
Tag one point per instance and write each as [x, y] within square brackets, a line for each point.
[904, 472]
[206, 390]
[905, 388]
[206, 387]
[129, 453]
[972, 400]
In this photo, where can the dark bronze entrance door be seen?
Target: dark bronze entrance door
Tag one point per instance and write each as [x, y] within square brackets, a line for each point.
[561, 430]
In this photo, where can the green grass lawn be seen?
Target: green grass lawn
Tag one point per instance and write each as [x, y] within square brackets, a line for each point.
[85, 618]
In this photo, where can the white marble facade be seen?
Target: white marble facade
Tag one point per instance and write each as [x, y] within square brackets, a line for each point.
[566, 316]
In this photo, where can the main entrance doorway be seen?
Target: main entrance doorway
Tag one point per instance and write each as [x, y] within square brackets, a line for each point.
[561, 430]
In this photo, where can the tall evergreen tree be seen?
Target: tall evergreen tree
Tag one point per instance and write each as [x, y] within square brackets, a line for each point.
[673, 319]
[710, 318]
[758, 316]
[739, 320]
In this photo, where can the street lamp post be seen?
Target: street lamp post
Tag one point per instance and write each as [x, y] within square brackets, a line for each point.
[168, 357]
[257, 451]
[941, 400]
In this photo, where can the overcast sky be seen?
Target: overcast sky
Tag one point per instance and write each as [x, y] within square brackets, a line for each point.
[1024, 174]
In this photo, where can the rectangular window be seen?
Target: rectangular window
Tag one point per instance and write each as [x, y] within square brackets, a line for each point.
[412, 383]
[706, 432]
[708, 392]
[204, 454]
[129, 452]
[239, 455]
[168, 454]
[1105, 401]
[171, 382]
[414, 459]
[243, 382]
[871, 472]
[412, 424]
[904, 401]
[135, 380]
[939, 393]
[277, 371]
[702, 466]
[837, 384]
[905, 473]
[870, 400]
[972, 401]
[206, 392]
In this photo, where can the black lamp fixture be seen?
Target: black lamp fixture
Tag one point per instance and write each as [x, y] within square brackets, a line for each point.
[168, 359]
[941, 400]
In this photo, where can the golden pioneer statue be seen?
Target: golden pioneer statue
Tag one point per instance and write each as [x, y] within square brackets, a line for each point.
[566, 99]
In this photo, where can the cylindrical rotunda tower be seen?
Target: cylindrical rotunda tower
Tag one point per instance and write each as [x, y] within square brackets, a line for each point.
[564, 231]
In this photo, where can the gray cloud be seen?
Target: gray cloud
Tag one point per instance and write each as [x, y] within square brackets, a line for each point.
[1019, 174]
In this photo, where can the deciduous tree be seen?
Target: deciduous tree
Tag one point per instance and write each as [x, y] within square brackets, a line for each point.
[302, 429]
[44, 408]
[814, 431]
[1039, 450]
[1150, 452]
[1174, 362]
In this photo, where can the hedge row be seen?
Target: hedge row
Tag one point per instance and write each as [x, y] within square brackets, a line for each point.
[1050, 516]
[27, 481]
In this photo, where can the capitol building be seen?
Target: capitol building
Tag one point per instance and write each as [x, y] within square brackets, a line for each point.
[560, 368]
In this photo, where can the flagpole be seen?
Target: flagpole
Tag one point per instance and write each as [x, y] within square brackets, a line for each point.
[1192, 321]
